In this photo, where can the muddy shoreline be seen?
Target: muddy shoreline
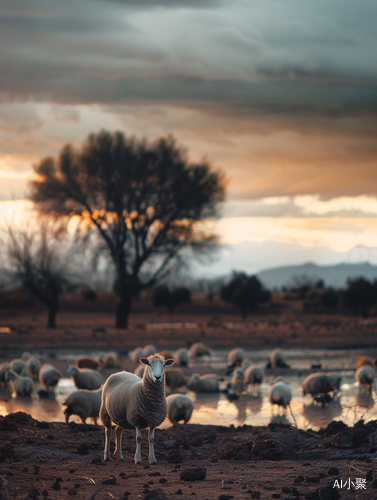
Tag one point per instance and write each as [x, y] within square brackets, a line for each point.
[55, 460]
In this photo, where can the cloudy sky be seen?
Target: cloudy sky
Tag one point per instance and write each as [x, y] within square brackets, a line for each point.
[281, 95]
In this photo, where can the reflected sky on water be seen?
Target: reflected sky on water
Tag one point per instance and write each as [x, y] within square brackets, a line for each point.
[351, 405]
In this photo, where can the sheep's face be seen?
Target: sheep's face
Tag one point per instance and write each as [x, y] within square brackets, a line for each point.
[155, 366]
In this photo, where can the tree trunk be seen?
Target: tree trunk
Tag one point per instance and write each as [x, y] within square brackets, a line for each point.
[123, 311]
[52, 312]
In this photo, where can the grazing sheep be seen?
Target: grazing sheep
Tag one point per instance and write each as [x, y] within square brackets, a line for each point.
[108, 360]
[280, 394]
[180, 407]
[149, 350]
[85, 378]
[364, 376]
[139, 371]
[49, 376]
[277, 359]
[245, 364]
[203, 383]
[17, 365]
[85, 404]
[167, 354]
[253, 376]
[316, 384]
[236, 356]
[130, 402]
[33, 366]
[86, 362]
[198, 350]
[175, 378]
[4, 367]
[364, 361]
[181, 357]
[236, 383]
[25, 373]
[335, 381]
[23, 386]
[136, 354]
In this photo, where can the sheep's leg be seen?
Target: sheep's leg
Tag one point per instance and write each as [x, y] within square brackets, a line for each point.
[152, 458]
[106, 455]
[138, 446]
[118, 444]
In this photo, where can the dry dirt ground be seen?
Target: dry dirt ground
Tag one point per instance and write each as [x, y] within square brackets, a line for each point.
[91, 324]
[53, 460]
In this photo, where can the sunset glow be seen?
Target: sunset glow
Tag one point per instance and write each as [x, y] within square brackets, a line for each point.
[286, 108]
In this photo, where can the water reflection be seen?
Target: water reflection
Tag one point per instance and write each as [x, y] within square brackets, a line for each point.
[215, 408]
[318, 415]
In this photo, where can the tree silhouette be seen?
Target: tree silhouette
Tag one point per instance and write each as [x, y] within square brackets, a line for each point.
[245, 292]
[144, 200]
[36, 261]
[360, 294]
[162, 296]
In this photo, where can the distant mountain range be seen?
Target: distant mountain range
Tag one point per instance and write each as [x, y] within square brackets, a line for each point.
[335, 276]
[276, 263]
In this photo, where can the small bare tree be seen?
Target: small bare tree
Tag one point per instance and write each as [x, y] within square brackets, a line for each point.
[35, 260]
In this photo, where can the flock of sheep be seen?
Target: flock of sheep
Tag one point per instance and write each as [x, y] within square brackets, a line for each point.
[138, 400]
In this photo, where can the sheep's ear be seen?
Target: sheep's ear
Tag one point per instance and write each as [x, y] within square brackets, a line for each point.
[169, 362]
[144, 361]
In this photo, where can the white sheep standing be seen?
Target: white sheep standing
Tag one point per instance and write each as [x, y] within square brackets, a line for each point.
[236, 383]
[180, 407]
[85, 404]
[198, 350]
[277, 359]
[253, 376]
[23, 386]
[17, 365]
[49, 376]
[136, 354]
[85, 378]
[133, 403]
[364, 376]
[33, 365]
[236, 356]
[203, 383]
[280, 394]
[149, 349]
[181, 357]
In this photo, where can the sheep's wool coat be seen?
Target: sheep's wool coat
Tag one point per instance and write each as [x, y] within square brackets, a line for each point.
[130, 401]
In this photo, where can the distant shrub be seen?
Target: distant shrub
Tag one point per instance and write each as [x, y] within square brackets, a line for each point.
[16, 298]
[330, 298]
[245, 292]
[360, 295]
[89, 294]
[163, 297]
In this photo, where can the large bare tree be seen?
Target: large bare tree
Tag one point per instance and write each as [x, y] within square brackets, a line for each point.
[145, 201]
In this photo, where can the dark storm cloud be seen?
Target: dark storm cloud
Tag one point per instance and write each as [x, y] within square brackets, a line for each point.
[145, 4]
[279, 58]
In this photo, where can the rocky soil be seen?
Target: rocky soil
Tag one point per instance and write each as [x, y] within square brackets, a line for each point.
[53, 461]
